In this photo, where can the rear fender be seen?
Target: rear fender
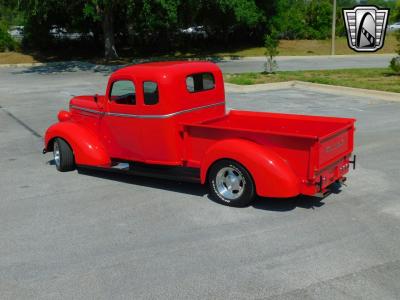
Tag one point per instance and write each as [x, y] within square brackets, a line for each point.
[272, 175]
[87, 148]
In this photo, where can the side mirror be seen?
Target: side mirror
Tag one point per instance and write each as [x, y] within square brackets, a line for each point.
[95, 97]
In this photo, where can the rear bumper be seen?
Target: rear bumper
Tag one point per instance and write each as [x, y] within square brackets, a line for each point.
[326, 177]
[329, 189]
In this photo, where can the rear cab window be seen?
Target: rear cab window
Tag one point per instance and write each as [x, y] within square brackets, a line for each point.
[200, 82]
[150, 93]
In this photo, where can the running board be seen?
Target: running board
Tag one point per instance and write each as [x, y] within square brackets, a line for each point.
[123, 166]
[166, 172]
[177, 173]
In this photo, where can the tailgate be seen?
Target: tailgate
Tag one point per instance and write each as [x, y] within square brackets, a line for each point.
[330, 156]
[335, 146]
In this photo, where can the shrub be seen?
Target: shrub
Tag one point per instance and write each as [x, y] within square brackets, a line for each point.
[6, 41]
[271, 42]
[395, 64]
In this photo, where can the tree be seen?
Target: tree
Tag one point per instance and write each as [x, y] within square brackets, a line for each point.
[152, 26]
[299, 19]
[102, 11]
[142, 24]
[10, 13]
[289, 19]
[318, 16]
[340, 26]
[42, 16]
[8, 16]
[271, 42]
[6, 41]
[225, 20]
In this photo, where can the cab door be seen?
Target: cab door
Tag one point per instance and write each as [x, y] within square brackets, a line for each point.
[121, 124]
[161, 142]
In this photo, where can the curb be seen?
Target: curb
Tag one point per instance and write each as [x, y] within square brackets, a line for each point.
[236, 88]
[317, 87]
[343, 90]
[22, 65]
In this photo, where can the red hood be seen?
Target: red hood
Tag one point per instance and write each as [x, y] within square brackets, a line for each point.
[85, 102]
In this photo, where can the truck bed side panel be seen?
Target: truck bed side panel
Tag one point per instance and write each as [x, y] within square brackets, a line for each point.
[294, 150]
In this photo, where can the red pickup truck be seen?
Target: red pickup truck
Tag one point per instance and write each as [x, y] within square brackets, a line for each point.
[168, 119]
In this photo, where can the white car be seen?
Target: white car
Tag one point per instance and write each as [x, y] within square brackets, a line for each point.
[16, 32]
[195, 31]
[62, 33]
[394, 26]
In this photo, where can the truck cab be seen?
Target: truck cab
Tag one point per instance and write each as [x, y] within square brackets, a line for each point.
[169, 119]
[140, 114]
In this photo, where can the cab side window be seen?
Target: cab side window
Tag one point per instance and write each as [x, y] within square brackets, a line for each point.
[123, 92]
[150, 90]
[200, 82]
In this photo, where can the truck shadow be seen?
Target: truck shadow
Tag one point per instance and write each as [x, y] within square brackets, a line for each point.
[163, 184]
[270, 204]
[287, 204]
[70, 66]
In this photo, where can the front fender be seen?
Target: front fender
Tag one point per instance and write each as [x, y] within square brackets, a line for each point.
[87, 148]
[272, 175]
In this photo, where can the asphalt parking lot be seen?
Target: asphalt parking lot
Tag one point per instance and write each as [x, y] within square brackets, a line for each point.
[314, 62]
[100, 236]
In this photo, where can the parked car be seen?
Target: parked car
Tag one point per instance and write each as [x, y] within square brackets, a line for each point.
[16, 32]
[394, 26]
[168, 119]
[195, 31]
[63, 33]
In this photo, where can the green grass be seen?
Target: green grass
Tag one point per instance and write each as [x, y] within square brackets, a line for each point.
[382, 79]
[296, 47]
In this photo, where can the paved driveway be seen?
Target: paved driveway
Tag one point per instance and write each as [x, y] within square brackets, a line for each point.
[102, 236]
[299, 63]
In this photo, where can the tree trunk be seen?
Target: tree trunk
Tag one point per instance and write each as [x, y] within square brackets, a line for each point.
[108, 31]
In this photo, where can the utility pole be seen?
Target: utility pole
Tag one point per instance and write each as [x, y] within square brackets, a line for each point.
[333, 28]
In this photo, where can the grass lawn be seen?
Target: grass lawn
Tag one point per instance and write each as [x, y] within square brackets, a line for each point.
[16, 58]
[382, 79]
[301, 47]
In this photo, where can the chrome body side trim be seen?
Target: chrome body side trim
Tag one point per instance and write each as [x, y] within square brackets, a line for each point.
[145, 116]
[87, 110]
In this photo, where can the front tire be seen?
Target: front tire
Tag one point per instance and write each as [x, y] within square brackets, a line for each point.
[63, 156]
[231, 184]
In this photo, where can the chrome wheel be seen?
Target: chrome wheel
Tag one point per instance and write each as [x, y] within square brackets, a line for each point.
[230, 183]
[56, 154]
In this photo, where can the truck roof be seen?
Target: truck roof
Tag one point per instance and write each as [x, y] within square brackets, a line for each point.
[172, 85]
[169, 68]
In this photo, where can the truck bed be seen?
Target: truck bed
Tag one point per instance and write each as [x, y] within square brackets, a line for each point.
[315, 147]
[313, 127]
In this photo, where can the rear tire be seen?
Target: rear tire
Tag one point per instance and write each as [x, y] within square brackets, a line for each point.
[231, 184]
[63, 156]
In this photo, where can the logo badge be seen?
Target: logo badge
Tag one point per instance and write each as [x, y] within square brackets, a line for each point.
[366, 27]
